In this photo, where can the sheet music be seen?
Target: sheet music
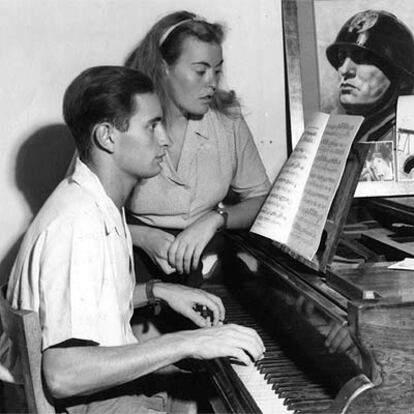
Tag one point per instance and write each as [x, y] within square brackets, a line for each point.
[296, 209]
[321, 186]
[276, 217]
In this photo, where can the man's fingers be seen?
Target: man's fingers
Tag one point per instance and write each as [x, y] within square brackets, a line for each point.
[248, 340]
[240, 355]
[214, 304]
[220, 313]
[198, 319]
[234, 341]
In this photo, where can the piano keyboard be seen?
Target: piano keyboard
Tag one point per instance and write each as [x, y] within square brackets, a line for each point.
[261, 391]
[276, 383]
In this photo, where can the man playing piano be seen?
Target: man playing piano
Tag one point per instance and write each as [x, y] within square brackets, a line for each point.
[75, 264]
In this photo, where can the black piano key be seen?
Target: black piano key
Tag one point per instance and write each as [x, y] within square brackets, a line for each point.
[285, 374]
[299, 380]
[275, 364]
[284, 365]
[301, 393]
[313, 407]
[310, 399]
[296, 386]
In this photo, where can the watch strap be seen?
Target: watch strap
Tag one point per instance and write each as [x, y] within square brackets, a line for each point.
[152, 300]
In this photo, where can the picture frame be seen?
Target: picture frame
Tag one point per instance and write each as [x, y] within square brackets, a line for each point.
[310, 26]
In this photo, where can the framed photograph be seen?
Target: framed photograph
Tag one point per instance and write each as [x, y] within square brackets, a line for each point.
[310, 27]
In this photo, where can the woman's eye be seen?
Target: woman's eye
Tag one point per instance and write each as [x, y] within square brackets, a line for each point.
[200, 72]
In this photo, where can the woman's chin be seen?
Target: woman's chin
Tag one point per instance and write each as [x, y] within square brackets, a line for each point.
[197, 112]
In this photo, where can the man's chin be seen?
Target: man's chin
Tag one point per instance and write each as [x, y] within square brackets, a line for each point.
[352, 108]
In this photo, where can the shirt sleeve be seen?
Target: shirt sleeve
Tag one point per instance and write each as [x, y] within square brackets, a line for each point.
[250, 178]
[71, 277]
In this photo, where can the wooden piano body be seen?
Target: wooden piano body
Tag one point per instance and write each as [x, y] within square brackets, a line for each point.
[294, 304]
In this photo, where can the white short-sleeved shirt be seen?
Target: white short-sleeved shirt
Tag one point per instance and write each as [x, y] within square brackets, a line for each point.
[75, 268]
[218, 154]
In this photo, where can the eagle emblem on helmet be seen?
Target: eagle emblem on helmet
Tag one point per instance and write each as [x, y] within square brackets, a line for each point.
[363, 21]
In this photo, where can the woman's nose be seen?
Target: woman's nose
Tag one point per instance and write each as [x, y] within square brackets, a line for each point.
[212, 80]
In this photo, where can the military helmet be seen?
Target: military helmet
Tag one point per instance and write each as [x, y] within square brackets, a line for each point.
[380, 33]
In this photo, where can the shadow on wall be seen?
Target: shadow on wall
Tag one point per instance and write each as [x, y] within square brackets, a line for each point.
[41, 164]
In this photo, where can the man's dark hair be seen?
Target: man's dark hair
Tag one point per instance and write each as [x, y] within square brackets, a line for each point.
[102, 94]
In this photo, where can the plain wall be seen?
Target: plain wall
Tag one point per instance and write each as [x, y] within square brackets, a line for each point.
[45, 44]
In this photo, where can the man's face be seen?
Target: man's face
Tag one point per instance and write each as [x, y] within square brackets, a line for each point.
[141, 148]
[362, 83]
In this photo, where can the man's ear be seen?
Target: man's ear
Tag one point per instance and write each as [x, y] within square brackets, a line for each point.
[103, 136]
[165, 68]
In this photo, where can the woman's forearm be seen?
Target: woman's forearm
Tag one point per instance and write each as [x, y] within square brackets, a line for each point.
[138, 234]
[241, 215]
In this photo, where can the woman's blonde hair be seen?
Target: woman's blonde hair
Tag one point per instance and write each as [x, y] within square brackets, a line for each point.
[164, 42]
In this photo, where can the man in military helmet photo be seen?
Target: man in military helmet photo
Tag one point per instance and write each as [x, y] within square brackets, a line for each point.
[373, 54]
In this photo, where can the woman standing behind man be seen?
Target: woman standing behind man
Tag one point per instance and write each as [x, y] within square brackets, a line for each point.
[174, 215]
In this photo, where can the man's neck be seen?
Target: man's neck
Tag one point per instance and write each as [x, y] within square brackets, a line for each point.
[117, 185]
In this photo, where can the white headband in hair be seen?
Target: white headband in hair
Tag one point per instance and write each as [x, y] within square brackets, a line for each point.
[163, 38]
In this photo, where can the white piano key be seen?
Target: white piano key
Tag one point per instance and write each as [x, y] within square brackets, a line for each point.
[261, 392]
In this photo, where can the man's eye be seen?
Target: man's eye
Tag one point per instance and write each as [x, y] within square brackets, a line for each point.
[341, 57]
[361, 57]
[200, 72]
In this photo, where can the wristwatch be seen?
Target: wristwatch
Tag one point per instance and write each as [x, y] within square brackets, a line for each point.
[223, 213]
[152, 300]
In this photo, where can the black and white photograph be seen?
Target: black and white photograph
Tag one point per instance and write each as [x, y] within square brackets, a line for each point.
[379, 32]
[379, 164]
[207, 206]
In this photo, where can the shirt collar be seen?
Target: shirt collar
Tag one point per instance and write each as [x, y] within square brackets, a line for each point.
[114, 219]
[200, 127]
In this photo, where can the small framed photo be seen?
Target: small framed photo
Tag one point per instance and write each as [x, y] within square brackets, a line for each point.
[316, 84]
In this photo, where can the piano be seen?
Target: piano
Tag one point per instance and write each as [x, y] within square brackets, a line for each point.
[295, 304]
[294, 307]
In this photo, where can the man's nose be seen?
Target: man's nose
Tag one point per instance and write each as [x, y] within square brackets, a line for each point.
[163, 137]
[347, 68]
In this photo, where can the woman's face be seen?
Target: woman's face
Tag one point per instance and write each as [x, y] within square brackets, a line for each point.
[192, 80]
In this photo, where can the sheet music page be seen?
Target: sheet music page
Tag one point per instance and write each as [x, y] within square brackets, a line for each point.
[278, 213]
[322, 183]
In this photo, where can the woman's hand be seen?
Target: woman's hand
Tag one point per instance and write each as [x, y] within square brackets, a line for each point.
[185, 252]
[156, 243]
[186, 300]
